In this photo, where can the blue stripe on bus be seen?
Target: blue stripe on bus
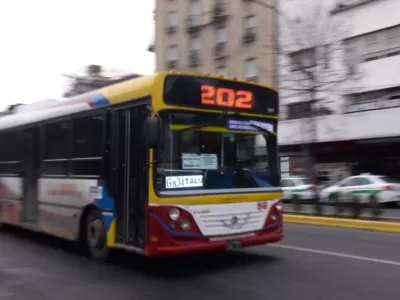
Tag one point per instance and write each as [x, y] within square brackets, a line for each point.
[106, 203]
[98, 100]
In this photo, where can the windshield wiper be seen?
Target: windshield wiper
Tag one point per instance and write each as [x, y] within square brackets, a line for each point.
[204, 125]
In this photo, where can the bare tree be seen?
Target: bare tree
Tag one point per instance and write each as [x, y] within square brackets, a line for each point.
[313, 64]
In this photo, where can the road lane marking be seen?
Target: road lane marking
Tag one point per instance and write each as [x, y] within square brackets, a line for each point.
[337, 254]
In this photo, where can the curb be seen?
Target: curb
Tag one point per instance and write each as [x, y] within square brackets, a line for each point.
[344, 223]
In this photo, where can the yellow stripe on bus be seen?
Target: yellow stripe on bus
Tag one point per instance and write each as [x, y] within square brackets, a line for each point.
[217, 129]
[216, 199]
[111, 234]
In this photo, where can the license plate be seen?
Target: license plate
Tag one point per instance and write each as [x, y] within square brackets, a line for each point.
[233, 245]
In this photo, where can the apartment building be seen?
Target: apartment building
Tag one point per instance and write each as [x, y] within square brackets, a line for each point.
[359, 125]
[231, 38]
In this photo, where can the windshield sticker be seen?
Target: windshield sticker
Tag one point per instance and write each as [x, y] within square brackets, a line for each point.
[249, 125]
[206, 161]
[209, 161]
[177, 182]
[191, 161]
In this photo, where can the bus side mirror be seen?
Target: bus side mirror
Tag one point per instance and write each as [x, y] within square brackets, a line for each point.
[152, 132]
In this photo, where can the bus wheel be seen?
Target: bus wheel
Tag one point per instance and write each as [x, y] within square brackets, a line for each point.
[375, 206]
[95, 236]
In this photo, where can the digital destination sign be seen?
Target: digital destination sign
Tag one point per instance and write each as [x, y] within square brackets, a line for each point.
[212, 93]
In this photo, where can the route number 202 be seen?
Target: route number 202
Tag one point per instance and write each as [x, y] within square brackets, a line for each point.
[226, 97]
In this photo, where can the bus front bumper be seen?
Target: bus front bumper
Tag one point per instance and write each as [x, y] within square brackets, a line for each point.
[177, 246]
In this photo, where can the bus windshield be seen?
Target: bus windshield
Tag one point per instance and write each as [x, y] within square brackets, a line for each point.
[211, 159]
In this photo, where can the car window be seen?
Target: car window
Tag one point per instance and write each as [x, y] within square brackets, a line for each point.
[287, 183]
[304, 181]
[362, 181]
[349, 182]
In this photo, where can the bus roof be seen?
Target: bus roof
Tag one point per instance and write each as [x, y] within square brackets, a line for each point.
[113, 94]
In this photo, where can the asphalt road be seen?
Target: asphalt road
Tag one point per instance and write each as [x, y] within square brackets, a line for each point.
[311, 263]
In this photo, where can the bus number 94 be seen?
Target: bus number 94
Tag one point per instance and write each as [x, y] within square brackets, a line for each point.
[262, 205]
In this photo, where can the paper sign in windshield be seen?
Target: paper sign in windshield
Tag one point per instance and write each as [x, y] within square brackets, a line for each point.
[178, 182]
[249, 125]
[206, 161]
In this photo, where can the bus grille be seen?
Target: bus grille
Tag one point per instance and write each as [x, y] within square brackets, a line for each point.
[225, 223]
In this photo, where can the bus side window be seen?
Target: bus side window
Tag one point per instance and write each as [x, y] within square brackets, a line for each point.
[56, 148]
[11, 154]
[88, 145]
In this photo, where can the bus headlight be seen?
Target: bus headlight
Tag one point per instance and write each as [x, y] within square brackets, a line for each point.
[174, 214]
[185, 225]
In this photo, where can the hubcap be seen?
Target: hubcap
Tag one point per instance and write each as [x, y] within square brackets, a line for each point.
[94, 234]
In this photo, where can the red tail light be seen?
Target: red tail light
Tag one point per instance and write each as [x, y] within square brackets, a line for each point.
[275, 214]
[388, 187]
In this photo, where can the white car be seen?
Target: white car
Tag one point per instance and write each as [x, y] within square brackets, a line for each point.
[300, 188]
[369, 188]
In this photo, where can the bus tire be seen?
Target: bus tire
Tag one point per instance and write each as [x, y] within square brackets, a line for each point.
[95, 236]
[375, 206]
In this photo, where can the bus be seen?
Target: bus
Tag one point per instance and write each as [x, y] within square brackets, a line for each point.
[167, 164]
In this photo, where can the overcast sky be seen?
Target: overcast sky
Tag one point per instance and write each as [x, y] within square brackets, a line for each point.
[42, 39]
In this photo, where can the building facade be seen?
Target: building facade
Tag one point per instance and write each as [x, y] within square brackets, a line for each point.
[231, 38]
[357, 122]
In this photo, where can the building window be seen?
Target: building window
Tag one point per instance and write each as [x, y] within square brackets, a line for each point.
[375, 45]
[194, 43]
[172, 57]
[303, 59]
[194, 52]
[194, 12]
[299, 110]
[250, 69]
[221, 35]
[172, 22]
[250, 24]
[172, 19]
[222, 70]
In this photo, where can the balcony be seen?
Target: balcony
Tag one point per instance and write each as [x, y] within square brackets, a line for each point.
[219, 13]
[193, 23]
[171, 29]
[249, 36]
[220, 50]
[172, 64]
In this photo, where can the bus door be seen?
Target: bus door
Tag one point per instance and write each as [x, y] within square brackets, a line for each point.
[31, 172]
[130, 178]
